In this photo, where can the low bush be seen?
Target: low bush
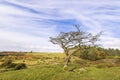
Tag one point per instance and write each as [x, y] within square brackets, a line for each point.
[92, 54]
[8, 64]
[20, 66]
[84, 54]
[15, 66]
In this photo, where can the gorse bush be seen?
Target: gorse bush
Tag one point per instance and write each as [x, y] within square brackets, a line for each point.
[8, 64]
[20, 66]
[101, 55]
[92, 54]
[15, 66]
[84, 54]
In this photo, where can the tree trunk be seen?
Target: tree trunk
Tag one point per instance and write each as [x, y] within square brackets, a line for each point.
[68, 56]
[67, 61]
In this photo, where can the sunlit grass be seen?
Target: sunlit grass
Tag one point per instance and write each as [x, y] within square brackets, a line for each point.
[49, 66]
[56, 72]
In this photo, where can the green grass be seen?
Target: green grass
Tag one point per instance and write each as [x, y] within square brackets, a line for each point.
[42, 67]
[56, 72]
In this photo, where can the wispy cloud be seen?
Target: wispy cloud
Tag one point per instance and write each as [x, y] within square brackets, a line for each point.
[27, 25]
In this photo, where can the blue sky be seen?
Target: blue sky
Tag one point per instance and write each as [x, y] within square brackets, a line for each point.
[27, 25]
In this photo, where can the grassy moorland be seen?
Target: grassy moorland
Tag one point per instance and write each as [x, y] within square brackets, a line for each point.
[49, 66]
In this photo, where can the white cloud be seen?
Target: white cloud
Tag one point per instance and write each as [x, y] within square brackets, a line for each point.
[111, 42]
[18, 41]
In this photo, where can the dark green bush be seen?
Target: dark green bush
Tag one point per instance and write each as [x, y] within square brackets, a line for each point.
[8, 64]
[92, 54]
[15, 66]
[20, 66]
[84, 54]
[101, 55]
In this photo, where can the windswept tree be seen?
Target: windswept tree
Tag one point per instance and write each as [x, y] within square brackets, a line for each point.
[69, 40]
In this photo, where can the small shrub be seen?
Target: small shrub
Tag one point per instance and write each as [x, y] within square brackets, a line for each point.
[92, 55]
[20, 66]
[9, 64]
[101, 55]
[6, 63]
[84, 55]
[2, 59]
